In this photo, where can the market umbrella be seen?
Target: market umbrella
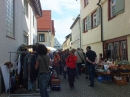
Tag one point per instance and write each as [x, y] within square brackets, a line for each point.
[52, 49]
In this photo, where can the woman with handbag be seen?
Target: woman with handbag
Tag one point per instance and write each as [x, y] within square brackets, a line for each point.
[71, 68]
[42, 63]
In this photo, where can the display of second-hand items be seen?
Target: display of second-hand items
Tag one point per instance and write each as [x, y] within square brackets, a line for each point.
[117, 71]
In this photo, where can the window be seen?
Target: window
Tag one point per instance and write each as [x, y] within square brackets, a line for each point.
[115, 7]
[26, 7]
[25, 39]
[94, 19]
[117, 50]
[41, 38]
[113, 4]
[85, 21]
[85, 2]
[10, 18]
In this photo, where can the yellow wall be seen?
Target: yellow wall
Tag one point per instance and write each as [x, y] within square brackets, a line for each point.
[118, 26]
[66, 44]
[93, 36]
[52, 40]
[97, 47]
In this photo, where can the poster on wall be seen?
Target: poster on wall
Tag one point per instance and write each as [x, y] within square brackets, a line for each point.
[5, 74]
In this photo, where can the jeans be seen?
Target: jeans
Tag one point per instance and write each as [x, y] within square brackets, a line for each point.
[79, 68]
[31, 85]
[91, 70]
[71, 75]
[64, 72]
[43, 83]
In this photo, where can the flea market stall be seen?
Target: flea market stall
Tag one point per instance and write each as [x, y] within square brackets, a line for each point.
[109, 71]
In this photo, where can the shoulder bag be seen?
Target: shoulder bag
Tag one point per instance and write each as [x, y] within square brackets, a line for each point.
[46, 64]
[80, 58]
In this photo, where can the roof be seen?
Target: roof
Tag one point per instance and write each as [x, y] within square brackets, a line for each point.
[44, 22]
[37, 6]
[75, 21]
[53, 28]
[68, 36]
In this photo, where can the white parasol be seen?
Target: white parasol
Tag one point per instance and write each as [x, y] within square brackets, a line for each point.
[52, 49]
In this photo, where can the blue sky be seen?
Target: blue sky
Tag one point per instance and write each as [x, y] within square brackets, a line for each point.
[63, 12]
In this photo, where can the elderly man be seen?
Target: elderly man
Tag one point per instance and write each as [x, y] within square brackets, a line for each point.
[80, 59]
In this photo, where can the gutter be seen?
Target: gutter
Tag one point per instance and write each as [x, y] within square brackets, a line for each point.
[101, 20]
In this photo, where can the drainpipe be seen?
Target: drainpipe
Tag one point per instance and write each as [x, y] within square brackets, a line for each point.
[101, 20]
[101, 27]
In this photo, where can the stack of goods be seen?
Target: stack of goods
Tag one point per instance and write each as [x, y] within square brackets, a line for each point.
[120, 80]
[55, 82]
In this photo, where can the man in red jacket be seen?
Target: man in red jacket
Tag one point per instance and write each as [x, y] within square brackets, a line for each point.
[71, 68]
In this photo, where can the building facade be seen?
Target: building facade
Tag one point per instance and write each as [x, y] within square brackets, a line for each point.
[57, 44]
[46, 30]
[76, 33]
[18, 25]
[67, 43]
[106, 30]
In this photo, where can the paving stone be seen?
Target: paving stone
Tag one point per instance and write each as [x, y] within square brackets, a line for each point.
[83, 90]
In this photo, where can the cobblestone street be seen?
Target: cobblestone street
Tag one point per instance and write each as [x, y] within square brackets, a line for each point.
[82, 90]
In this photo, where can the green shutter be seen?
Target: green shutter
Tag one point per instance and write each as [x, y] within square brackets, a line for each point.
[120, 6]
[82, 26]
[98, 14]
[89, 22]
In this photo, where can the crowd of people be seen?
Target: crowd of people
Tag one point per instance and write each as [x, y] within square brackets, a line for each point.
[67, 63]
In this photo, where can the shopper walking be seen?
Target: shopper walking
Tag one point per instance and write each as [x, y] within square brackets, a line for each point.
[80, 60]
[64, 64]
[71, 68]
[91, 58]
[43, 62]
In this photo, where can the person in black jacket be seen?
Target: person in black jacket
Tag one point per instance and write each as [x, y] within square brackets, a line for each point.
[91, 58]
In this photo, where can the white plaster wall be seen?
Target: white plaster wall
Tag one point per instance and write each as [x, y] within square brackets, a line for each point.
[21, 24]
[76, 35]
[56, 43]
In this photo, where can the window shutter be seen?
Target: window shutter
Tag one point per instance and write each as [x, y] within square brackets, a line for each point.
[89, 22]
[98, 14]
[82, 26]
[120, 6]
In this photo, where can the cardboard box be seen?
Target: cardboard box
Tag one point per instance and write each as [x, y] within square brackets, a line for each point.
[56, 87]
[120, 81]
[55, 81]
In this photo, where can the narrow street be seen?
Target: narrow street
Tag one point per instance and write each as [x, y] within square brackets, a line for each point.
[83, 90]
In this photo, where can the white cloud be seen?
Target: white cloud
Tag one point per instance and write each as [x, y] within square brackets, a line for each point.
[62, 27]
[57, 5]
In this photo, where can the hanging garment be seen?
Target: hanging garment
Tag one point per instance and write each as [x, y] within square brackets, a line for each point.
[19, 64]
[25, 67]
[21, 81]
[33, 71]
